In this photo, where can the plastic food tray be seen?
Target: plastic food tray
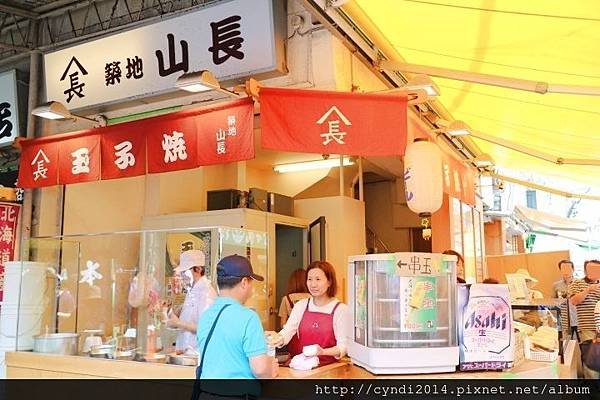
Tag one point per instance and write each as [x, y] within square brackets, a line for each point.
[546, 356]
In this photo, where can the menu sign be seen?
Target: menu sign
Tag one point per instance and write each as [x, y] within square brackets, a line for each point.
[9, 216]
[418, 304]
[419, 264]
[9, 116]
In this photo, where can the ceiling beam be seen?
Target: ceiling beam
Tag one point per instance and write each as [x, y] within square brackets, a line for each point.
[18, 11]
[14, 47]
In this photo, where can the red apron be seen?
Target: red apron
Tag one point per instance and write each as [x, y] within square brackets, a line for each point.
[314, 328]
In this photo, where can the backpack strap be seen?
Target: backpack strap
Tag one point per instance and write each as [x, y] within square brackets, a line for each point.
[210, 333]
[197, 390]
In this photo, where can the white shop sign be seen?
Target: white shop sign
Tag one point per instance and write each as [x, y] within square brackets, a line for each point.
[231, 39]
[9, 112]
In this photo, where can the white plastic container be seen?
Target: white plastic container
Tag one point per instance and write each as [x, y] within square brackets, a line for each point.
[29, 324]
[2, 363]
[35, 282]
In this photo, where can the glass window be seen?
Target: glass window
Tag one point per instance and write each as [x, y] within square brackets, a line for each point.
[531, 199]
[478, 246]
[468, 243]
[456, 225]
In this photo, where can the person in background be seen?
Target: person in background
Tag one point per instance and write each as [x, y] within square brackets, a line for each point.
[559, 291]
[197, 300]
[585, 294]
[491, 280]
[460, 265]
[320, 319]
[597, 317]
[231, 339]
[296, 290]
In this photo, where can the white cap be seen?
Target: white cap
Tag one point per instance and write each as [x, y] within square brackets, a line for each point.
[525, 274]
[189, 259]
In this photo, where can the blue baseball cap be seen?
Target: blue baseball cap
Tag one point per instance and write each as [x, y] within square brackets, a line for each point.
[237, 266]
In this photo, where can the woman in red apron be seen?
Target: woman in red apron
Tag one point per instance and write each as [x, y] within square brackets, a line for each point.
[319, 320]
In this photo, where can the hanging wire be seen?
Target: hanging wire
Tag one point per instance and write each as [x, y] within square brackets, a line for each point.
[470, 91]
[431, 3]
[495, 63]
[592, 136]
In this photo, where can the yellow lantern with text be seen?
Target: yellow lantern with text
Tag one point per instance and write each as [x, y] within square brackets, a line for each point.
[423, 181]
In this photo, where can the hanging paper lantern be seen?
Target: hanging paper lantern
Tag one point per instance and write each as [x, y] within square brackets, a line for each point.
[423, 181]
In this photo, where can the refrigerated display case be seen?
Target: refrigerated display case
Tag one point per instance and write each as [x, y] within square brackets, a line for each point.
[404, 308]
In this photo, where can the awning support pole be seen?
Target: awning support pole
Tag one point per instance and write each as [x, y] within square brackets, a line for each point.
[361, 192]
[341, 175]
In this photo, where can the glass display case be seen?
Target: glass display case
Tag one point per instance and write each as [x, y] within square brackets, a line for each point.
[542, 321]
[108, 292]
[404, 308]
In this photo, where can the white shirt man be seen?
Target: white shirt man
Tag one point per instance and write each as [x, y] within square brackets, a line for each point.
[560, 290]
[197, 300]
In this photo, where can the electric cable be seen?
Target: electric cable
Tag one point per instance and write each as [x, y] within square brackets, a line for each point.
[522, 13]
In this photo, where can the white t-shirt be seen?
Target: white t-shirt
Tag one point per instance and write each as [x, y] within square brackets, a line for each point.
[197, 300]
[341, 321]
[285, 309]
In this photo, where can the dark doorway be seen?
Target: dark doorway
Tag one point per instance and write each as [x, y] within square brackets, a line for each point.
[289, 253]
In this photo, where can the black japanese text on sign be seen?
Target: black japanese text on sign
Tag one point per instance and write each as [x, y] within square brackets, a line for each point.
[233, 39]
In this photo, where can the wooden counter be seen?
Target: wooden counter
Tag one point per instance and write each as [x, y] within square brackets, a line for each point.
[31, 365]
[526, 370]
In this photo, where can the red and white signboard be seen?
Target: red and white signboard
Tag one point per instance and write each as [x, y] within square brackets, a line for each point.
[182, 140]
[222, 135]
[459, 179]
[38, 166]
[323, 122]
[172, 144]
[9, 219]
[79, 159]
[123, 153]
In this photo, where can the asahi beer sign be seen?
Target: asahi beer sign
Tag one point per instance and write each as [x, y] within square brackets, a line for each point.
[232, 39]
[485, 330]
[9, 116]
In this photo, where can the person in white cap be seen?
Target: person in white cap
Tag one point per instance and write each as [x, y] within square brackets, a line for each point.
[197, 300]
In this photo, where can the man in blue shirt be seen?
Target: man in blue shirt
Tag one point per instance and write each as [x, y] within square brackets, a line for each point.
[237, 348]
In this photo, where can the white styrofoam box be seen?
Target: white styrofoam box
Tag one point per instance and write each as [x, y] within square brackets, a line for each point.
[34, 283]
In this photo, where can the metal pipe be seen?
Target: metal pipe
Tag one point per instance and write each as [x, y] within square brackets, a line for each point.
[14, 47]
[18, 11]
[341, 175]
[535, 153]
[361, 191]
[543, 188]
[35, 63]
[492, 80]
[14, 59]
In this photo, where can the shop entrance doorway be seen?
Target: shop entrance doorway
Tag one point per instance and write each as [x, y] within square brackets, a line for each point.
[289, 255]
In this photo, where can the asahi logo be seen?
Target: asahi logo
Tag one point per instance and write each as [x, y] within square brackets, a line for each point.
[477, 321]
[487, 325]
